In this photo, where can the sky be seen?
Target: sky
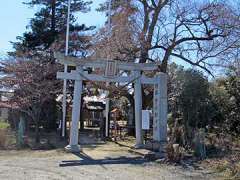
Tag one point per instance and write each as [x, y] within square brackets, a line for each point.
[15, 16]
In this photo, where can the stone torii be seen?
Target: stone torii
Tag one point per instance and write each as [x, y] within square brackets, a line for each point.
[159, 81]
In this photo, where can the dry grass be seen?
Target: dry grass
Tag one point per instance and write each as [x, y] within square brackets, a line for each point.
[3, 138]
[7, 139]
[4, 125]
[228, 164]
[175, 153]
[228, 169]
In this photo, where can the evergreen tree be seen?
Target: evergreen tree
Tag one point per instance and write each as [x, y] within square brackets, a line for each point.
[195, 103]
[48, 24]
[46, 34]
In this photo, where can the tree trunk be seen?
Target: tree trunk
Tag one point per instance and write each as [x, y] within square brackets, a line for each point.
[49, 112]
[144, 55]
[81, 115]
[53, 27]
[37, 133]
[131, 126]
[188, 130]
[53, 16]
[132, 130]
[199, 144]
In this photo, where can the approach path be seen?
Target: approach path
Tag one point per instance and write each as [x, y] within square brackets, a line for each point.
[104, 161]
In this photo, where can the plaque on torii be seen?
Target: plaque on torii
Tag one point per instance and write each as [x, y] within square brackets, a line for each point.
[111, 69]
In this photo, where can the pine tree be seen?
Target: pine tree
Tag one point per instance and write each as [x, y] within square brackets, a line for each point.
[48, 24]
[46, 34]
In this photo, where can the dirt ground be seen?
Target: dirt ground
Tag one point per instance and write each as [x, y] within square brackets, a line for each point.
[102, 161]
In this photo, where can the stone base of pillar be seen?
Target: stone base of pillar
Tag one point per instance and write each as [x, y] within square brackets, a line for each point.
[162, 150]
[160, 155]
[162, 147]
[73, 148]
[138, 146]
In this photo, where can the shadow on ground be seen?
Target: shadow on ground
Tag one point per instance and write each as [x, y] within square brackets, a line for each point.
[87, 160]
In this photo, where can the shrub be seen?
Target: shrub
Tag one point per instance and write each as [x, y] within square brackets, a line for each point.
[6, 138]
[3, 138]
[4, 125]
[174, 152]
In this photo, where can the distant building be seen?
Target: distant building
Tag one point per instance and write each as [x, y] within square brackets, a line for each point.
[94, 107]
[5, 107]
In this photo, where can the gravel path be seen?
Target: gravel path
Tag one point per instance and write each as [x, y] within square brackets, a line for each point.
[107, 161]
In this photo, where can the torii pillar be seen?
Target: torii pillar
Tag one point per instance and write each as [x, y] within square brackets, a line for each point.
[74, 130]
[138, 109]
[160, 110]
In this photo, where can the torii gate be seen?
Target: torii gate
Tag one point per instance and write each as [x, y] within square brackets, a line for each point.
[160, 94]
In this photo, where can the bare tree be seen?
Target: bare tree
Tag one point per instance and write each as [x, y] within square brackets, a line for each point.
[117, 42]
[34, 86]
[196, 32]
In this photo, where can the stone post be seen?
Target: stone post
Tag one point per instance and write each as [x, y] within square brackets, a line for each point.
[160, 109]
[107, 115]
[138, 109]
[74, 131]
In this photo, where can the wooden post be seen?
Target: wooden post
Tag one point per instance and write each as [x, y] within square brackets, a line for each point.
[74, 131]
[21, 132]
[107, 115]
[160, 109]
[64, 103]
[138, 109]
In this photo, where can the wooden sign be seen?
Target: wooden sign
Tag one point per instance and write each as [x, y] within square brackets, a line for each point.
[145, 119]
[111, 68]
